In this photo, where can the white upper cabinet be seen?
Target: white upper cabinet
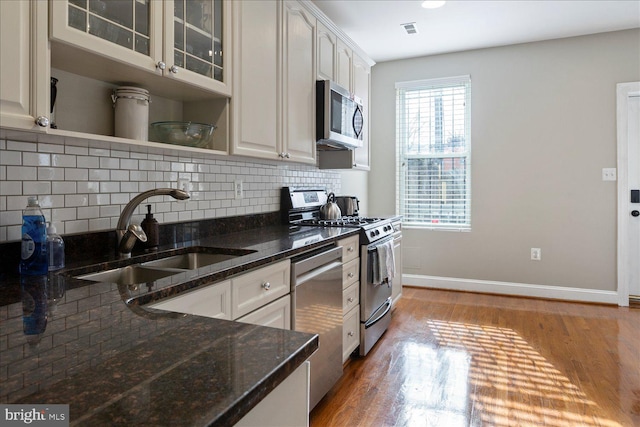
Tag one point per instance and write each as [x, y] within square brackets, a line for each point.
[326, 43]
[344, 64]
[182, 40]
[299, 96]
[256, 84]
[274, 81]
[24, 65]
[362, 88]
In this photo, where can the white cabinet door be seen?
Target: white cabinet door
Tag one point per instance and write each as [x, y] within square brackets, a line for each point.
[125, 32]
[286, 405]
[326, 43]
[396, 283]
[179, 40]
[350, 298]
[298, 59]
[349, 248]
[344, 59]
[362, 87]
[256, 82]
[350, 332]
[196, 32]
[212, 301]
[258, 288]
[276, 314]
[24, 64]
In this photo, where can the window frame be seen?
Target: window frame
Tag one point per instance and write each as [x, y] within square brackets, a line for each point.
[401, 143]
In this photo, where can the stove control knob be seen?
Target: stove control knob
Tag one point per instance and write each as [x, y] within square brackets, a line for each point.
[372, 234]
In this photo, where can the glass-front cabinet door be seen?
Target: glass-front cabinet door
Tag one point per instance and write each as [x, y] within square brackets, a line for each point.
[195, 37]
[181, 39]
[128, 31]
[125, 23]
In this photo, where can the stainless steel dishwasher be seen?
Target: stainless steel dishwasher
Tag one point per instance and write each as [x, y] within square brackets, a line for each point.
[316, 298]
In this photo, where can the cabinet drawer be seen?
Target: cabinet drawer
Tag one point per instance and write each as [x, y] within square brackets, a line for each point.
[350, 248]
[276, 314]
[350, 332]
[350, 297]
[350, 272]
[253, 290]
[212, 301]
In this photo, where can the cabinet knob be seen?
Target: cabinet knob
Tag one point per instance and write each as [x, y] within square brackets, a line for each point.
[161, 65]
[350, 249]
[350, 299]
[173, 69]
[266, 286]
[42, 121]
[350, 275]
[287, 155]
[350, 333]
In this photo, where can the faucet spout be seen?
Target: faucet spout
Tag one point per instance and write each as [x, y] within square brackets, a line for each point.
[126, 214]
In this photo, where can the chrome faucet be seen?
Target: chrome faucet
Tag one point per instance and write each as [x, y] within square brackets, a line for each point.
[127, 233]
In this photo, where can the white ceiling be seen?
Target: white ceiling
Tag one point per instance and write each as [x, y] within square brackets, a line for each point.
[466, 24]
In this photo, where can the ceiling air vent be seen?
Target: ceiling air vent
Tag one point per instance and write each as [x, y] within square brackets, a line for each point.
[410, 28]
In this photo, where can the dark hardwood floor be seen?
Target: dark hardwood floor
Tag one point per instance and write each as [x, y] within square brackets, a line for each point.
[461, 359]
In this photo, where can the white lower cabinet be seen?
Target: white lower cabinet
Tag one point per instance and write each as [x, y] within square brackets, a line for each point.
[350, 295]
[350, 298]
[286, 405]
[350, 248]
[350, 332]
[258, 288]
[212, 301]
[275, 315]
[239, 296]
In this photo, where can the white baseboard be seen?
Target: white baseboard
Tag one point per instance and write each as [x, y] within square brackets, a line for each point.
[514, 289]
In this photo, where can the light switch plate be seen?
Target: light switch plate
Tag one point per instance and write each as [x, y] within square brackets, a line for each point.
[608, 174]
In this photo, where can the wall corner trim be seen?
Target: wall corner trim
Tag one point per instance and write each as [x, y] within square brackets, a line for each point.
[512, 289]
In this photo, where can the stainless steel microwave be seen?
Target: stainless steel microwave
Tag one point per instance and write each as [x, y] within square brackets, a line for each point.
[339, 117]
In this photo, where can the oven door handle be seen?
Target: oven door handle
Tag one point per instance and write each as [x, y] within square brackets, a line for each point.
[386, 306]
[374, 246]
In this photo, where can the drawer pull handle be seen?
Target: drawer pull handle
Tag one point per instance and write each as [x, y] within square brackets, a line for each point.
[350, 299]
[350, 333]
[266, 286]
[350, 249]
[350, 275]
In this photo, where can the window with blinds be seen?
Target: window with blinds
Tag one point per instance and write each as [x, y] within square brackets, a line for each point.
[434, 152]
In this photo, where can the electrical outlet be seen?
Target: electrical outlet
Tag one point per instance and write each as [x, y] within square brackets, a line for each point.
[536, 254]
[237, 189]
[608, 174]
[184, 184]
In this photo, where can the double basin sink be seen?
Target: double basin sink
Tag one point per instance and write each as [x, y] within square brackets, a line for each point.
[150, 271]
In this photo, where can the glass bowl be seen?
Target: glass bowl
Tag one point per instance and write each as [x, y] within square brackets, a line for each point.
[189, 134]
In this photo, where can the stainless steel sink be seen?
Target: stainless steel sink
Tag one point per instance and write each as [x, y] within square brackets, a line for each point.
[129, 275]
[150, 271]
[190, 261]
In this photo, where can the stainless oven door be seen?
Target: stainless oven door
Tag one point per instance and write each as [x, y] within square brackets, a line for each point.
[372, 295]
[375, 300]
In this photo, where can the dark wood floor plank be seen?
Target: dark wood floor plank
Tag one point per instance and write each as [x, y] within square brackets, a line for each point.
[462, 359]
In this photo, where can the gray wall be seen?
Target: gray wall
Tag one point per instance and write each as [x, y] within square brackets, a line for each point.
[543, 127]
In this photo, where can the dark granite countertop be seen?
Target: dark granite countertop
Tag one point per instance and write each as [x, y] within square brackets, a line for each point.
[96, 347]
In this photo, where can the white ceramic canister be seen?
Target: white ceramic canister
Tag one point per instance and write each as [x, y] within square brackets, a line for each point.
[132, 112]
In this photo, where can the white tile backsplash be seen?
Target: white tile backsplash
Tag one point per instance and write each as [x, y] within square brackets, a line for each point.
[83, 186]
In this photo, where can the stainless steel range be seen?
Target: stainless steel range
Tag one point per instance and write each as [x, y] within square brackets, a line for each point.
[300, 207]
